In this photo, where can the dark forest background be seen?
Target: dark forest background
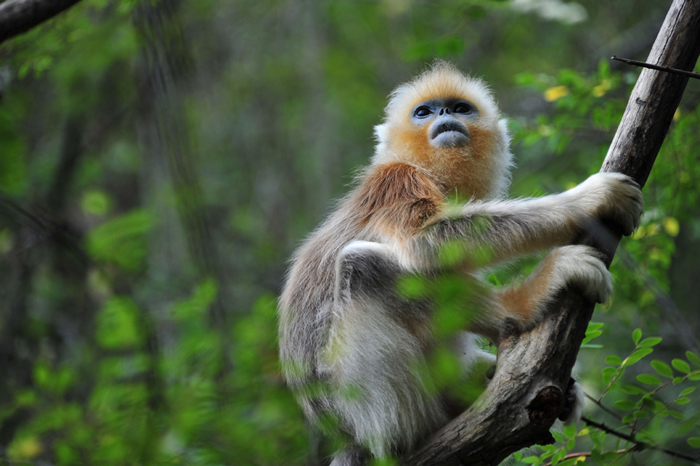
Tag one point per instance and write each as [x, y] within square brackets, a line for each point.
[160, 161]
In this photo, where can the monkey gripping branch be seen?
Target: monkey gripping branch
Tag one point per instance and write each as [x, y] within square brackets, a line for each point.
[525, 395]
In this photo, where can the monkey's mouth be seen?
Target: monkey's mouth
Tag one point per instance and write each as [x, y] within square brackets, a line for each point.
[449, 133]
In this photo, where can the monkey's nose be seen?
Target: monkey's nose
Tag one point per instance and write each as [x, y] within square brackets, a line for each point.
[444, 111]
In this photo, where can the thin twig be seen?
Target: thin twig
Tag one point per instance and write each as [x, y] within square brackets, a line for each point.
[610, 430]
[589, 453]
[603, 407]
[689, 74]
[639, 446]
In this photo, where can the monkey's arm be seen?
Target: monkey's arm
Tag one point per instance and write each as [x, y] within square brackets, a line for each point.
[492, 231]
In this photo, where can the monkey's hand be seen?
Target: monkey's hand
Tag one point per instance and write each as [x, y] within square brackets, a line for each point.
[582, 267]
[610, 196]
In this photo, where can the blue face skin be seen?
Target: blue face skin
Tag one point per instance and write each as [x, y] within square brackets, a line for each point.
[447, 118]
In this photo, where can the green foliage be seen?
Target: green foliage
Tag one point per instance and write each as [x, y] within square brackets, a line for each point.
[210, 416]
[122, 241]
[651, 407]
[643, 415]
[210, 139]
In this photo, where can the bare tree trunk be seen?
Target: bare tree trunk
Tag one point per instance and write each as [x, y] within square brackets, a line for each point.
[526, 393]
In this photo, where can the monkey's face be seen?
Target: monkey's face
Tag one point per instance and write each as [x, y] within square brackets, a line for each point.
[447, 135]
[448, 124]
[445, 120]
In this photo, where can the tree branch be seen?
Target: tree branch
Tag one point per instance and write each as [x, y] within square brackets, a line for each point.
[18, 16]
[638, 445]
[689, 74]
[526, 393]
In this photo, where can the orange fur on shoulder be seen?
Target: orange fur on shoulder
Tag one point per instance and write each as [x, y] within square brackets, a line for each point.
[396, 199]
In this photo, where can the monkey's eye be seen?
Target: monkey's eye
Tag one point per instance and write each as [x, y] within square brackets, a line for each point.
[462, 108]
[422, 112]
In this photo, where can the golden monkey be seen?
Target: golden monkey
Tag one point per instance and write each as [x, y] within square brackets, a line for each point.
[342, 323]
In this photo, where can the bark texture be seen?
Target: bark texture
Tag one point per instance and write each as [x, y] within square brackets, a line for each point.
[527, 391]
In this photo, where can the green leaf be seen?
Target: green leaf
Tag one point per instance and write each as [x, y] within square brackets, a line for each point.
[42, 374]
[558, 457]
[597, 456]
[678, 380]
[694, 442]
[693, 358]
[687, 391]
[118, 324]
[648, 379]
[631, 390]
[637, 335]
[412, 287]
[640, 414]
[628, 418]
[122, 240]
[681, 366]
[96, 202]
[625, 405]
[662, 368]
[649, 342]
[637, 356]
[569, 431]
[682, 401]
[608, 374]
[613, 360]
[593, 326]
[530, 459]
[592, 331]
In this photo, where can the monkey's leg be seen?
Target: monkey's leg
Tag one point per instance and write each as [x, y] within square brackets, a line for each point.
[578, 266]
[374, 359]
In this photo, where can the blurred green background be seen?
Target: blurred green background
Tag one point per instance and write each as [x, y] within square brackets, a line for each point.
[160, 161]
